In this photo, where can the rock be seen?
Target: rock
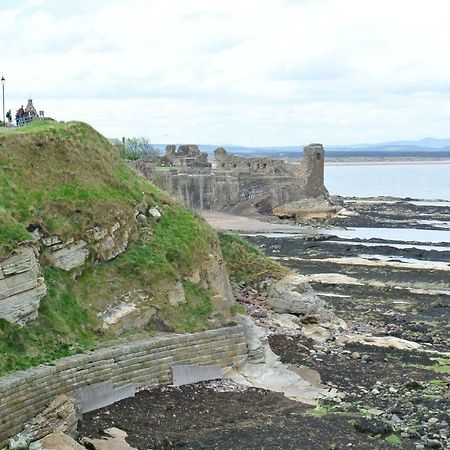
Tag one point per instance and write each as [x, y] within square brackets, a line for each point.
[355, 355]
[373, 426]
[293, 295]
[256, 339]
[316, 333]
[56, 441]
[176, 295]
[306, 209]
[22, 286]
[110, 241]
[425, 339]
[131, 312]
[141, 219]
[283, 320]
[382, 341]
[155, 213]
[264, 370]
[69, 255]
[114, 440]
[60, 415]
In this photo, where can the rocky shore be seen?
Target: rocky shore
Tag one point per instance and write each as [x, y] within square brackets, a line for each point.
[386, 368]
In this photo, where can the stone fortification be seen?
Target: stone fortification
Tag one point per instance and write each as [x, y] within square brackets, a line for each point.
[186, 156]
[142, 363]
[235, 180]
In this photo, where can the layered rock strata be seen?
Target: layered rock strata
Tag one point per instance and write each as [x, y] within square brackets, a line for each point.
[21, 286]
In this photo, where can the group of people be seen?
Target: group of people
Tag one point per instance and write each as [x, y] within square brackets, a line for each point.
[22, 116]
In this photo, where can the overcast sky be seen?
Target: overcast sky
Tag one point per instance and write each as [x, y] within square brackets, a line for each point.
[249, 72]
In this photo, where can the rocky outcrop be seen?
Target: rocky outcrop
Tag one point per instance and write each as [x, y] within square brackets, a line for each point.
[292, 297]
[131, 312]
[306, 209]
[134, 310]
[212, 274]
[102, 242]
[263, 369]
[60, 415]
[110, 241]
[21, 286]
[66, 255]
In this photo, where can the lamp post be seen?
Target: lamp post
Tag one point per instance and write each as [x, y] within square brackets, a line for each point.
[3, 97]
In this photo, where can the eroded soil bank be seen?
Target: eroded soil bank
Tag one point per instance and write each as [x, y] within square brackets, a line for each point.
[388, 398]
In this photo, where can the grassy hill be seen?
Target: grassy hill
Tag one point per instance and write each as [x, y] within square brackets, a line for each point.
[65, 179]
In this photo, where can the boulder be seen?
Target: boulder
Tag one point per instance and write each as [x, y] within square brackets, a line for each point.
[141, 219]
[114, 440]
[293, 295]
[56, 441]
[155, 213]
[60, 415]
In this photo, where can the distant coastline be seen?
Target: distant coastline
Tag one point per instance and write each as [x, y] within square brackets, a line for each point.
[383, 161]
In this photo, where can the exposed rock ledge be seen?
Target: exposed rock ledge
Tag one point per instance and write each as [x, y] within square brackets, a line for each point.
[21, 286]
[307, 209]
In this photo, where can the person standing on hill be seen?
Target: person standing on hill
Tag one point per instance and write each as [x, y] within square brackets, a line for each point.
[20, 116]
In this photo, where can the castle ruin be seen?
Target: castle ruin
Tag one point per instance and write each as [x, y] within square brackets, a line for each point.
[232, 182]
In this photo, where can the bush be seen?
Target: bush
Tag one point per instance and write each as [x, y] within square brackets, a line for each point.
[137, 147]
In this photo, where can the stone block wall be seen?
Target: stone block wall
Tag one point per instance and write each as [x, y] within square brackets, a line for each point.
[143, 363]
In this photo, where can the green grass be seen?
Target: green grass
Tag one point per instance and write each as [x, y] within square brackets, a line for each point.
[63, 327]
[67, 322]
[441, 366]
[66, 179]
[394, 440]
[11, 232]
[245, 263]
[194, 314]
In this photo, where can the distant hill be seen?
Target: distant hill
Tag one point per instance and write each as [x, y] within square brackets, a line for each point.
[427, 147]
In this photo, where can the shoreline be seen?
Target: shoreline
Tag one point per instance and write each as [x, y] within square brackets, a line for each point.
[383, 161]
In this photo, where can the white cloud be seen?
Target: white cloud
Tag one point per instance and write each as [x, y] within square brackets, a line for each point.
[259, 72]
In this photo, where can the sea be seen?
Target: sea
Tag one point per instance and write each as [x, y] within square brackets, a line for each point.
[420, 181]
[427, 181]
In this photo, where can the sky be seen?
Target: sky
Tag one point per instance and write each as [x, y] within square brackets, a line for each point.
[248, 72]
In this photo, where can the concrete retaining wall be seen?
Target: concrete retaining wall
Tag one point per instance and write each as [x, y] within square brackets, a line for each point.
[142, 363]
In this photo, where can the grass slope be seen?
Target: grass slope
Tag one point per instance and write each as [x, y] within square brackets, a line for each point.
[246, 264]
[67, 178]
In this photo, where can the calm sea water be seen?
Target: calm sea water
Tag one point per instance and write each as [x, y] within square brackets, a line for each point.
[424, 181]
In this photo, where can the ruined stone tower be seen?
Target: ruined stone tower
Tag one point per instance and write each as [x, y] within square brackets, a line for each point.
[312, 171]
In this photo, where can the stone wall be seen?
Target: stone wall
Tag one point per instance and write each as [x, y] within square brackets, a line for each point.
[236, 180]
[142, 363]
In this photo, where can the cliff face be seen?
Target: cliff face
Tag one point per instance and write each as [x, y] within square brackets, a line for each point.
[88, 249]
